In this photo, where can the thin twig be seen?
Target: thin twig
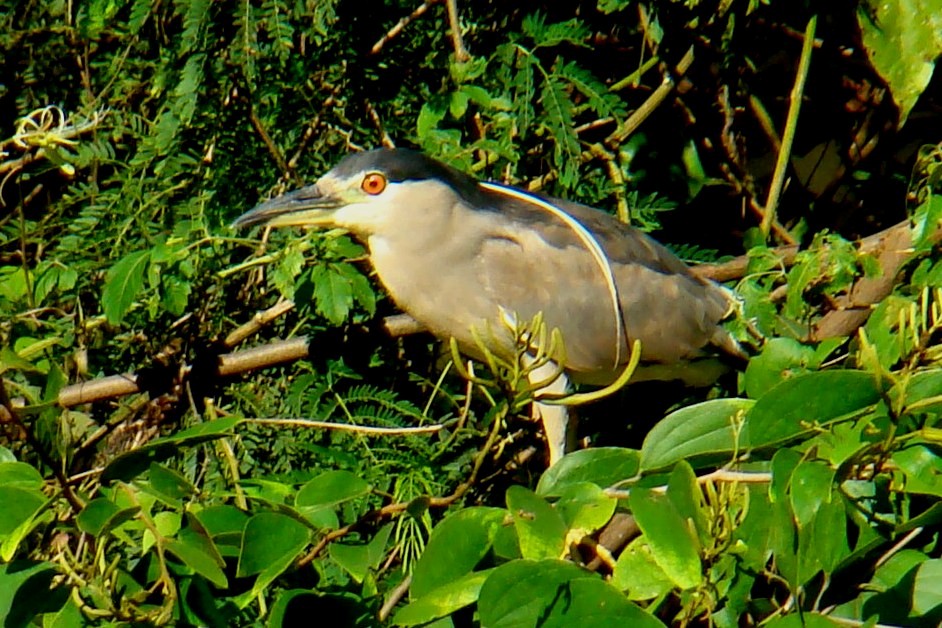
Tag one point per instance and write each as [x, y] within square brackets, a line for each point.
[617, 179]
[346, 427]
[286, 170]
[791, 124]
[653, 101]
[461, 53]
[401, 24]
[14, 416]
[720, 475]
[384, 137]
[394, 597]
[394, 509]
[260, 320]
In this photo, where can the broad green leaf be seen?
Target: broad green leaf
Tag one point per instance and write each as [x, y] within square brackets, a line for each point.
[922, 468]
[269, 543]
[10, 544]
[705, 430]
[540, 528]
[903, 39]
[129, 465]
[26, 590]
[329, 489]
[895, 583]
[222, 519]
[292, 608]
[924, 392]
[6, 455]
[101, 515]
[199, 553]
[455, 547]
[123, 282]
[603, 466]
[780, 359]
[752, 537]
[804, 620]
[170, 483]
[799, 404]
[783, 533]
[21, 475]
[519, 593]
[443, 601]
[823, 543]
[554, 594]
[18, 505]
[637, 573]
[355, 559]
[584, 506]
[167, 523]
[672, 543]
[592, 603]
[810, 487]
[684, 492]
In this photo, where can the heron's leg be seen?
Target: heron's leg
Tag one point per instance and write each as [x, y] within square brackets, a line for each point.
[559, 430]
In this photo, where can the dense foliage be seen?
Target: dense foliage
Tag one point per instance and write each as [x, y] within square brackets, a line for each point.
[152, 472]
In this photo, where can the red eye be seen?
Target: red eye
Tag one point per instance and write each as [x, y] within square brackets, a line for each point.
[373, 183]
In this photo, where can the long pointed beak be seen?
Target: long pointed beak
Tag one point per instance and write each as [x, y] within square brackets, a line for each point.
[306, 207]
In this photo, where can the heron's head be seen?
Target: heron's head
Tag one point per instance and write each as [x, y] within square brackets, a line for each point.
[368, 193]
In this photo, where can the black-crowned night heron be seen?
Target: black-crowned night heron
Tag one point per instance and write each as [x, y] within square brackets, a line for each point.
[458, 254]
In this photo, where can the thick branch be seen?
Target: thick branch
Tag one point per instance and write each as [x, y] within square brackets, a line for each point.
[892, 247]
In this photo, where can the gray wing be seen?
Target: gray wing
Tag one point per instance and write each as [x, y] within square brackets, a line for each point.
[537, 263]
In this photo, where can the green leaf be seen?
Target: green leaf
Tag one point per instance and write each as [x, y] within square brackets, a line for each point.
[922, 468]
[329, 489]
[101, 515]
[333, 294]
[781, 358]
[673, 545]
[804, 620]
[637, 573]
[286, 271]
[801, 403]
[270, 542]
[357, 560]
[21, 475]
[554, 594]
[19, 505]
[823, 543]
[602, 466]
[585, 506]
[170, 483]
[518, 593]
[27, 590]
[903, 38]
[684, 493]
[922, 386]
[455, 547]
[704, 430]
[558, 119]
[540, 528]
[810, 487]
[199, 553]
[443, 601]
[360, 286]
[614, 6]
[129, 465]
[123, 282]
